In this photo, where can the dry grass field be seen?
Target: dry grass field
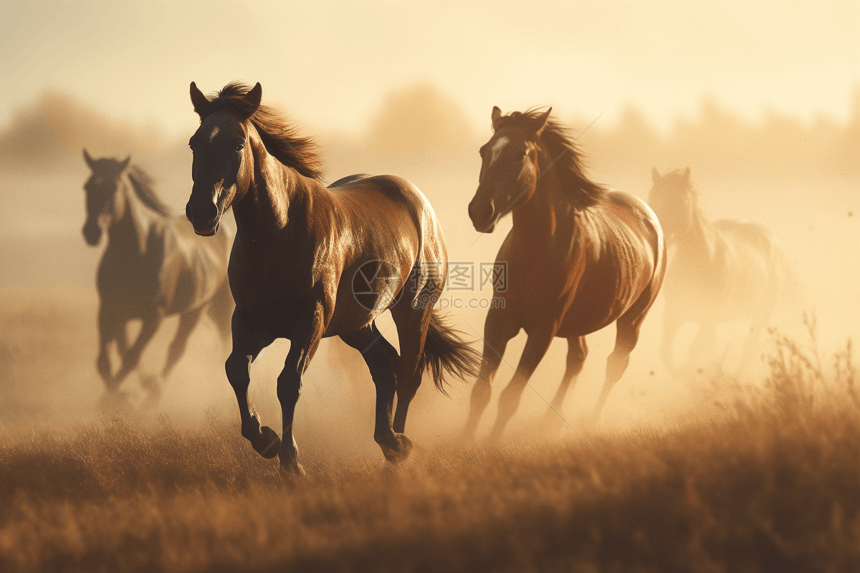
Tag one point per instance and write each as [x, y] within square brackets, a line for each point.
[761, 478]
[713, 475]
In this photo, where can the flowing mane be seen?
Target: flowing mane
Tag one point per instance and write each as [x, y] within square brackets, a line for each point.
[280, 138]
[557, 141]
[141, 182]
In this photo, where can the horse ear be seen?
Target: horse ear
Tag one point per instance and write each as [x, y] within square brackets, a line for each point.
[253, 99]
[198, 100]
[125, 163]
[495, 115]
[90, 161]
[687, 173]
[541, 121]
[655, 175]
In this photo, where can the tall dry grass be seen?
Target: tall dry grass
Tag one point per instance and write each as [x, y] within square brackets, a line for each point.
[764, 479]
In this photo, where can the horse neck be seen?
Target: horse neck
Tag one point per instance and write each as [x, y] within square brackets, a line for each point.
[541, 220]
[275, 192]
[131, 230]
[699, 241]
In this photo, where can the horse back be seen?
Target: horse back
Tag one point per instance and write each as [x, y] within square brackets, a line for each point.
[625, 259]
[385, 202]
[385, 220]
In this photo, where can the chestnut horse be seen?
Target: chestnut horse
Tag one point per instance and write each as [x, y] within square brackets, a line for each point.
[721, 271]
[311, 262]
[153, 267]
[579, 258]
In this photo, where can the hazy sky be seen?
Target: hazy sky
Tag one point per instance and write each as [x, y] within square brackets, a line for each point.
[331, 63]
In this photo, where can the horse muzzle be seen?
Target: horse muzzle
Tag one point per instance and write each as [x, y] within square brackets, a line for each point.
[483, 216]
[204, 218]
[92, 233]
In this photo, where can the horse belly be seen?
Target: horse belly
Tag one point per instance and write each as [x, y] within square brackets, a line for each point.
[604, 294]
[590, 315]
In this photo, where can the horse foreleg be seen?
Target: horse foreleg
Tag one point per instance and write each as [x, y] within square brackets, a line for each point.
[304, 339]
[131, 359]
[577, 350]
[498, 330]
[382, 359]
[247, 343]
[536, 347]
[108, 329]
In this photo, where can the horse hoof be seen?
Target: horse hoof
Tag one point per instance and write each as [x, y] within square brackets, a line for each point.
[292, 473]
[467, 437]
[267, 444]
[404, 447]
[152, 385]
[591, 422]
[552, 421]
[115, 402]
[493, 439]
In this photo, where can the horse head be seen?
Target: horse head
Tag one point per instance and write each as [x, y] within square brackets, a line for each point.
[104, 204]
[674, 200]
[509, 167]
[223, 160]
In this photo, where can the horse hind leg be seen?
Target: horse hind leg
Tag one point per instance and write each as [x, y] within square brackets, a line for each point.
[411, 330]
[153, 383]
[577, 351]
[220, 310]
[625, 341]
[187, 324]
[382, 360]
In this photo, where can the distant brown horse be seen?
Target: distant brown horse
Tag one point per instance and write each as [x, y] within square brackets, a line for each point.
[579, 258]
[153, 267]
[311, 262]
[721, 271]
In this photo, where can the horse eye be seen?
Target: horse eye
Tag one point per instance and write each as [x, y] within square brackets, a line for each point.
[240, 147]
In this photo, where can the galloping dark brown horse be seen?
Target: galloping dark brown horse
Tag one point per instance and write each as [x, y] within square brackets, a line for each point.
[153, 267]
[721, 271]
[310, 262]
[579, 258]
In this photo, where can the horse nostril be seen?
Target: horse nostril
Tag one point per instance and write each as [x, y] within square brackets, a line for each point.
[481, 213]
[202, 213]
[92, 234]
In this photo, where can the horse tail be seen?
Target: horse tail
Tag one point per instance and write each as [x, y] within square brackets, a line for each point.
[445, 351]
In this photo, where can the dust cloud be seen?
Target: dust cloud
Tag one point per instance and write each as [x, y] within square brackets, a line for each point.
[798, 178]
